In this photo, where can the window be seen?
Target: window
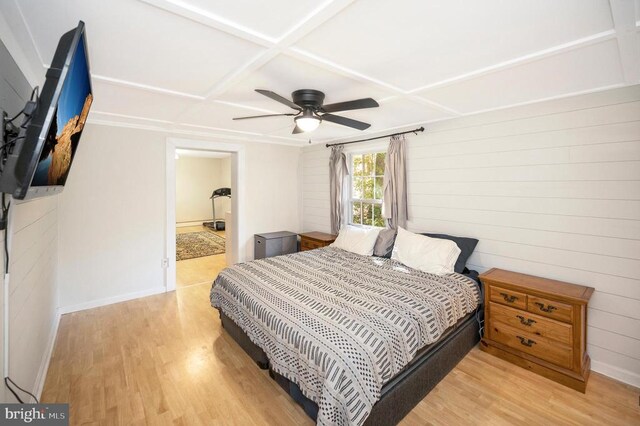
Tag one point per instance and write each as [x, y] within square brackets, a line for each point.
[367, 174]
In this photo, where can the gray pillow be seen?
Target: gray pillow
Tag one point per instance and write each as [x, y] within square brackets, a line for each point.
[467, 245]
[384, 243]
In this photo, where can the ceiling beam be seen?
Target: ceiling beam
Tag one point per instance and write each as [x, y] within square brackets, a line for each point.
[317, 17]
[211, 20]
[521, 60]
[131, 84]
[624, 20]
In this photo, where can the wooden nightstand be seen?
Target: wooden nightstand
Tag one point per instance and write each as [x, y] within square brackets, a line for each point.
[314, 240]
[538, 324]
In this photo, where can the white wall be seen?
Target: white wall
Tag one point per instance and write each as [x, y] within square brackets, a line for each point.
[551, 189]
[196, 178]
[112, 212]
[112, 218]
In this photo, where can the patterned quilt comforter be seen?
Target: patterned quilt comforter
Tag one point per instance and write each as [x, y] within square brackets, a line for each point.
[338, 324]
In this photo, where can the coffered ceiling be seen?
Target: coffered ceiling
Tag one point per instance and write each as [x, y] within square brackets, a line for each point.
[190, 66]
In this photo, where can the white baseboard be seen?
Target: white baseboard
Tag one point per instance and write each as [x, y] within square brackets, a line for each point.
[197, 223]
[111, 300]
[625, 376]
[46, 359]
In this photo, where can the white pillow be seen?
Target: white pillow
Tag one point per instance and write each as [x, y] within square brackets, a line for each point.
[357, 240]
[433, 255]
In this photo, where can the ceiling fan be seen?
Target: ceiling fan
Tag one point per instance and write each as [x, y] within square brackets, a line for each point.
[311, 111]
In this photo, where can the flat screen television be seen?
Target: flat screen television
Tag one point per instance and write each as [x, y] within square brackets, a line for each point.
[38, 163]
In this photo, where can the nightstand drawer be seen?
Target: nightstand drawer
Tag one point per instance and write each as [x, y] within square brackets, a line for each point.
[550, 308]
[508, 297]
[532, 323]
[538, 346]
[309, 245]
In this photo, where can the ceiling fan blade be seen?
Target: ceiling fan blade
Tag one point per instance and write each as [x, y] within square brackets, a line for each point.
[266, 115]
[278, 98]
[345, 121]
[297, 130]
[349, 105]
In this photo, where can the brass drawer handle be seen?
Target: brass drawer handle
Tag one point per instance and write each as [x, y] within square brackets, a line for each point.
[508, 297]
[526, 342]
[549, 308]
[525, 321]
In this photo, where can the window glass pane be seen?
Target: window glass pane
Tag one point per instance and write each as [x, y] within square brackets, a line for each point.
[367, 214]
[357, 165]
[380, 163]
[367, 187]
[369, 166]
[356, 211]
[356, 191]
[378, 220]
[379, 188]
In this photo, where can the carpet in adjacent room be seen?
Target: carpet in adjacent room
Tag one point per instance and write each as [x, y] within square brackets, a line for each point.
[198, 244]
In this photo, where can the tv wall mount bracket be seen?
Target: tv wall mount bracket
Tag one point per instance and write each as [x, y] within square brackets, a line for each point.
[9, 130]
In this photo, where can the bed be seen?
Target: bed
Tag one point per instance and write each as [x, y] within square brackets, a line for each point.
[353, 339]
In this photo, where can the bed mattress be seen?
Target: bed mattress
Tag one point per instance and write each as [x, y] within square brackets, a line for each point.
[341, 325]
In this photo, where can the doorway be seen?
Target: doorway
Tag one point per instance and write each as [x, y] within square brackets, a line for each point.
[203, 208]
[203, 180]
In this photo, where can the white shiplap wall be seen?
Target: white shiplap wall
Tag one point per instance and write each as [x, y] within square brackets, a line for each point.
[33, 292]
[550, 189]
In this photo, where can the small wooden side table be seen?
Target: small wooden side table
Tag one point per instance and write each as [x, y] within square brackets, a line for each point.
[314, 240]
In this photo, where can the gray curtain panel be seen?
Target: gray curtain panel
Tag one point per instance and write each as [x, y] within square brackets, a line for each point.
[394, 201]
[337, 174]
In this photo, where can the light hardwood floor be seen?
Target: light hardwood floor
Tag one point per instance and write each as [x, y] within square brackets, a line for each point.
[165, 359]
[200, 269]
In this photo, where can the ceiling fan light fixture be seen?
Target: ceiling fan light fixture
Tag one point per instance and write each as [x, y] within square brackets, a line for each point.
[307, 122]
[309, 104]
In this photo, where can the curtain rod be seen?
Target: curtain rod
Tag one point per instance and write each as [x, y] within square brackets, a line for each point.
[415, 131]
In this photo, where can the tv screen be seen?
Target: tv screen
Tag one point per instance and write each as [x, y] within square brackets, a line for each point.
[67, 123]
[40, 161]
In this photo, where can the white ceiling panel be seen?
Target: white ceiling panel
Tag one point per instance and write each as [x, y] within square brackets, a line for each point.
[396, 113]
[285, 74]
[583, 69]
[265, 17]
[96, 116]
[117, 99]
[132, 41]
[414, 43]
[220, 116]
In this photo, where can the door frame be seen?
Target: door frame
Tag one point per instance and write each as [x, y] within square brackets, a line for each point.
[237, 199]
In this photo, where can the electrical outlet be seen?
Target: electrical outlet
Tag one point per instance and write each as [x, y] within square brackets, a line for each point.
[165, 263]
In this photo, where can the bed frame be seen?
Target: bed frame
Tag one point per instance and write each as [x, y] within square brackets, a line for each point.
[403, 392]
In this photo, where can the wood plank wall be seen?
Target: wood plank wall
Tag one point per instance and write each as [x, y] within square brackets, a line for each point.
[550, 189]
